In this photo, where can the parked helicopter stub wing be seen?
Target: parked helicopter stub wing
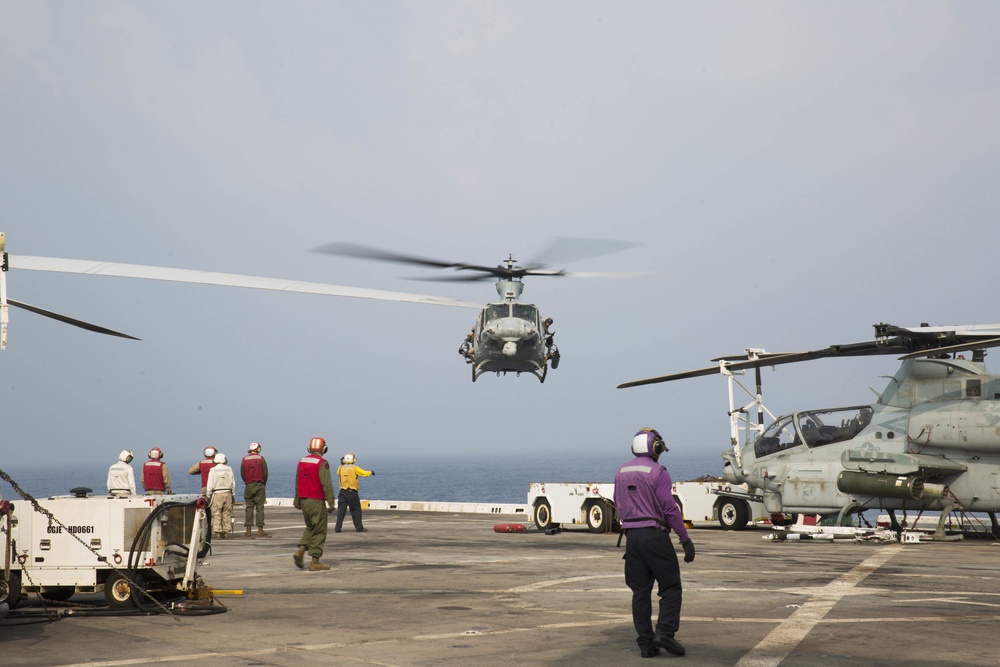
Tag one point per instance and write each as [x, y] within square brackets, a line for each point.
[91, 267]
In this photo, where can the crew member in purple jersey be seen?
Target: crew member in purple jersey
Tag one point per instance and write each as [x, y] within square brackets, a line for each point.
[647, 512]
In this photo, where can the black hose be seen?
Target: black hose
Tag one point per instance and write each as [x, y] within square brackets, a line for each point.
[142, 535]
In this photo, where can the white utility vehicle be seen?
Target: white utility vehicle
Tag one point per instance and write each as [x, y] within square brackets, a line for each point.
[713, 502]
[89, 544]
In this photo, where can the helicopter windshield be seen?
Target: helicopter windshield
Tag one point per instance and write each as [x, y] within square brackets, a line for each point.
[525, 311]
[779, 436]
[823, 427]
[815, 428]
[497, 310]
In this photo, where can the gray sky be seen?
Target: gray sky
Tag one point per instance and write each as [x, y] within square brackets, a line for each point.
[799, 171]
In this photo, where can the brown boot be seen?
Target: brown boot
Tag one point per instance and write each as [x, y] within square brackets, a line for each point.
[298, 556]
[316, 566]
[248, 534]
[260, 532]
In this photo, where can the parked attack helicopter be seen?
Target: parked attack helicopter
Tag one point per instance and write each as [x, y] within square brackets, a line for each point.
[509, 336]
[9, 262]
[930, 442]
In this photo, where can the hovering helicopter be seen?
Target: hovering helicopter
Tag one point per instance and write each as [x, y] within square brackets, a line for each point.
[9, 262]
[509, 336]
[931, 442]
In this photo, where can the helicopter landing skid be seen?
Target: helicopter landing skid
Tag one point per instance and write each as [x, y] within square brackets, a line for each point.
[539, 371]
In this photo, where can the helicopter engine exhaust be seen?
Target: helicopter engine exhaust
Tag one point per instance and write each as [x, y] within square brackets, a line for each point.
[881, 485]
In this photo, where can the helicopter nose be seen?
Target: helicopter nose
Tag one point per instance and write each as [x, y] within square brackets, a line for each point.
[511, 329]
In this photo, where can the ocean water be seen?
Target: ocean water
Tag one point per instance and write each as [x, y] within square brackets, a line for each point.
[490, 479]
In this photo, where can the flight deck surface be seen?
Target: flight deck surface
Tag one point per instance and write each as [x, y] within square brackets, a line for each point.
[428, 588]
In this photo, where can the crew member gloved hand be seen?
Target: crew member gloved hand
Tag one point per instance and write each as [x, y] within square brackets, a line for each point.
[688, 551]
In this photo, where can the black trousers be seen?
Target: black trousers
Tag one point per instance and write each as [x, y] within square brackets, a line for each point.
[650, 558]
[348, 499]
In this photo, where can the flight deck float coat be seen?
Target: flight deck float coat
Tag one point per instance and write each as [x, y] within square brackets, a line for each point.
[313, 491]
[647, 511]
[220, 486]
[253, 469]
[121, 479]
[349, 474]
[644, 497]
[348, 498]
[202, 467]
[155, 477]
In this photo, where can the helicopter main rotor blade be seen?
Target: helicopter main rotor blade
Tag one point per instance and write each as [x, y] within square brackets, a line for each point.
[91, 267]
[466, 278]
[69, 320]
[567, 249]
[366, 252]
[977, 345]
[699, 372]
[610, 274]
[890, 339]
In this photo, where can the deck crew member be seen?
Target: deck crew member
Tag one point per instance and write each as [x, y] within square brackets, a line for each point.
[648, 512]
[313, 493]
[121, 478]
[155, 476]
[348, 498]
[220, 486]
[253, 470]
[202, 467]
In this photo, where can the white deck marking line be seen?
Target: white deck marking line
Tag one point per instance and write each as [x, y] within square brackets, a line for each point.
[781, 641]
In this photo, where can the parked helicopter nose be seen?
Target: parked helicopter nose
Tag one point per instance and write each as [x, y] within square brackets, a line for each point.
[510, 348]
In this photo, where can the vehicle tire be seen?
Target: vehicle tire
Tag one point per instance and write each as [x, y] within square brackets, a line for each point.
[59, 593]
[599, 517]
[118, 591]
[543, 515]
[733, 514]
[10, 589]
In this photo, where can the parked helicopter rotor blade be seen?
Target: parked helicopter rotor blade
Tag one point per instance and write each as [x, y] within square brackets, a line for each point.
[69, 320]
[914, 342]
[91, 267]
[971, 345]
[699, 372]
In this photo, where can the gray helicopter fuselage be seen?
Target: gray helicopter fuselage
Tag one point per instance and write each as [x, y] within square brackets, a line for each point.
[508, 337]
[931, 442]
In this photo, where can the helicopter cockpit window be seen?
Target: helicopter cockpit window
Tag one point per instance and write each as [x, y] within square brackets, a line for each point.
[779, 436]
[497, 310]
[525, 312]
[824, 427]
